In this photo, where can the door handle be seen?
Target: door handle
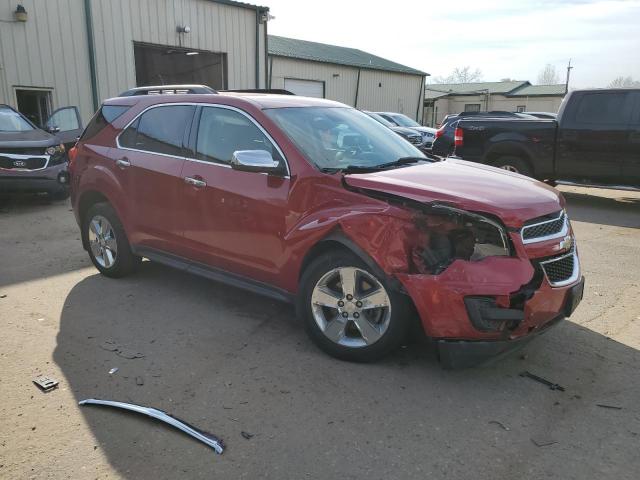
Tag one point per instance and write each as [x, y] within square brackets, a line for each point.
[195, 182]
[123, 163]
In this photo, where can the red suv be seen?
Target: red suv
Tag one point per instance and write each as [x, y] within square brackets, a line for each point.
[315, 203]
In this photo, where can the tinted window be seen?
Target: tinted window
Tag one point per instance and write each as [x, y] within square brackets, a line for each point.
[159, 130]
[603, 108]
[104, 116]
[221, 132]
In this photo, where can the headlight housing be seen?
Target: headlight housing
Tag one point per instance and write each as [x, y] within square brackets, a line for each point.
[55, 150]
[450, 234]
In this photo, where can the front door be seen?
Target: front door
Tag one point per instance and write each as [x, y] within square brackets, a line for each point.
[593, 137]
[233, 220]
[65, 124]
[152, 154]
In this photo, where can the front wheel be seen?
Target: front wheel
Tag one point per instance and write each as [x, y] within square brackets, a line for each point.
[349, 311]
[109, 247]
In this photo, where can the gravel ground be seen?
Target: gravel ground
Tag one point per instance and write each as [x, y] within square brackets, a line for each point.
[229, 361]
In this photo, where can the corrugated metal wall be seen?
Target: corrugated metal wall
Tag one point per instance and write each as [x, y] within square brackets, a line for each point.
[214, 27]
[378, 91]
[48, 51]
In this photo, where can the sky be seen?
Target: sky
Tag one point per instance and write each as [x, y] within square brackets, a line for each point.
[504, 39]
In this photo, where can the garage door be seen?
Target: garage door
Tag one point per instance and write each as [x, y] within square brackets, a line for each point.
[305, 88]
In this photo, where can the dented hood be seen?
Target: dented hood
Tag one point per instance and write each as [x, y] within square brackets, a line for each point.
[466, 185]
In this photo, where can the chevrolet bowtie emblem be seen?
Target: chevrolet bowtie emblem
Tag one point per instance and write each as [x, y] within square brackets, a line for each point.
[566, 243]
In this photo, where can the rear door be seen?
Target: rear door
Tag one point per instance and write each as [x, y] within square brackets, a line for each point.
[66, 125]
[593, 137]
[151, 155]
[233, 220]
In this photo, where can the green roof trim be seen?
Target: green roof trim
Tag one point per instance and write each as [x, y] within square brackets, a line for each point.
[540, 90]
[477, 87]
[234, 3]
[321, 52]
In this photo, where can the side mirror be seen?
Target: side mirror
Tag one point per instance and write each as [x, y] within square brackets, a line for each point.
[53, 129]
[254, 161]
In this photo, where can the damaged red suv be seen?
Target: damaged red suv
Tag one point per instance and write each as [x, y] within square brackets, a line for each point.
[315, 203]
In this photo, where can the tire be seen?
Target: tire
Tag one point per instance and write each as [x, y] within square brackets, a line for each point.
[384, 328]
[513, 164]
[109, 247]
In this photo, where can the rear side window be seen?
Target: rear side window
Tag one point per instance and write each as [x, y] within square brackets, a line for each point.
[603, 109]
[159, 130]
[104, 116]
[222, 131]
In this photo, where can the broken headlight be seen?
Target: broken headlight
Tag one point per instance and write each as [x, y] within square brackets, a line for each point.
[450, 234]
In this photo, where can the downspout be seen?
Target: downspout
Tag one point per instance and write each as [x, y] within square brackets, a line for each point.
[257, 47]
[270, 72]
[267, 79]
[88, 17]
[355, 103]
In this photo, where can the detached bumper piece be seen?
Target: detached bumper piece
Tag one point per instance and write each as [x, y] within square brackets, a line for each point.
[486, 316]
[469, 353]
[206, 438]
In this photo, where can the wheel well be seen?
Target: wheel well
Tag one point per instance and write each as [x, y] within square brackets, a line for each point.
[321, 248]
[87, 200]
[510, 152]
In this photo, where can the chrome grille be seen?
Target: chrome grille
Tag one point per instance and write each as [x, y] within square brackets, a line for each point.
[545, 228]
[416, 140]
[22, 162]
[562, 270]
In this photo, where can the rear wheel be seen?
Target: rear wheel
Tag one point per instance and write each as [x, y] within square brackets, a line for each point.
[349, 311]
[109, 247]
[513, 164]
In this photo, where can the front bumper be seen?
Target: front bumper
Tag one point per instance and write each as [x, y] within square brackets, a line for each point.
[51, 179]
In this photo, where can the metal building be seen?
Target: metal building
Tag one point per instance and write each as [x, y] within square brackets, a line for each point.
[55, 53]
[347, 75]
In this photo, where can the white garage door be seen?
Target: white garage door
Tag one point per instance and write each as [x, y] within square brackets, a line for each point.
[305, 88]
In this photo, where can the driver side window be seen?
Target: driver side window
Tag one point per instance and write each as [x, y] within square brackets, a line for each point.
[222, 131]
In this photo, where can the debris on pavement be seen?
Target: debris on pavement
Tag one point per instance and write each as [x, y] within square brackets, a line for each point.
[139, 381]
[543, 441]
[4, 295]
[544, 381]
[46, 384]
[612, 407]
[247, 435]
[111, 346]
[205, 437]
[113, 370]
[500, 424]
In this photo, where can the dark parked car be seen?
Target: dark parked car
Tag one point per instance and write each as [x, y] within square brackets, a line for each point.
[313, 202]
[401, 120]
[443, 145]
[413, 137]
[595, 140]
[34, 160]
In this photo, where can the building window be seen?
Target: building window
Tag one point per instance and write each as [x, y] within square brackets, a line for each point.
[521, 108]
[472, 107]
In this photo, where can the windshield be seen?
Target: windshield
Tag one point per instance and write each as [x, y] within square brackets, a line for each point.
[12, 121]
[404, 121]
[338, 138]
[381, 119]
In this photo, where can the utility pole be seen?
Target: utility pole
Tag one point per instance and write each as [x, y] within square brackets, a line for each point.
[566, 85]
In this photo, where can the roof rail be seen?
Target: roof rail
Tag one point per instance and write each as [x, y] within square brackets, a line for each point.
[168, 90]
[278, 91]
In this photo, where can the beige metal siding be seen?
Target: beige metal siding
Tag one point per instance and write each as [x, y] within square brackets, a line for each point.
[214, 27]
[339, 81]
[49, 50]
[399, 92]
[389, 91]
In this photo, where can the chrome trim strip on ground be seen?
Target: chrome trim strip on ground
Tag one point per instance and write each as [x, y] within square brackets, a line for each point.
[562, 233]
[19, 156]
[206, 438]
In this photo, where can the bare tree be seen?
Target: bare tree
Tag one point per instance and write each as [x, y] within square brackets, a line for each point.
[548, 75]
[461, 75]
[622, 82]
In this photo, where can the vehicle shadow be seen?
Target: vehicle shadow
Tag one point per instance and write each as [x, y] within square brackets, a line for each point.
[592, 208]
[229, 361]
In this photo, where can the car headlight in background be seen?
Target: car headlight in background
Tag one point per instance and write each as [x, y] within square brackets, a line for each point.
[450, 234]
[55, 150]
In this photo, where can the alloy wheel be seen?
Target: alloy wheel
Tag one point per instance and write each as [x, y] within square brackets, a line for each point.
[351, 307]
[102, 241]
[510, 168]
